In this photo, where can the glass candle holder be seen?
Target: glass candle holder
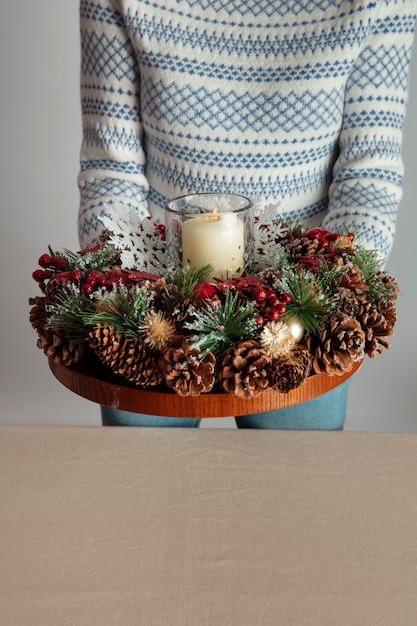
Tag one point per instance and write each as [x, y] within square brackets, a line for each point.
[211, 229]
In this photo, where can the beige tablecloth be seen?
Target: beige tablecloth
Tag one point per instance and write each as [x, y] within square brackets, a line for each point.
[183, 527]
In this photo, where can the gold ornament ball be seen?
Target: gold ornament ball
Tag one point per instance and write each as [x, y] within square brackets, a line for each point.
[296, 327]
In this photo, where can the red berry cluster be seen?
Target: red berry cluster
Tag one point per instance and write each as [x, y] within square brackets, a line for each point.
[160, 230]
[56, 268]
[51, 266]
[270, 303]
[94, 279]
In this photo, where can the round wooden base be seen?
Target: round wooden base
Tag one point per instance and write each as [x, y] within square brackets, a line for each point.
[94, 382]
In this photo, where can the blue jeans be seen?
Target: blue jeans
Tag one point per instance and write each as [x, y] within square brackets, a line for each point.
[326, 412]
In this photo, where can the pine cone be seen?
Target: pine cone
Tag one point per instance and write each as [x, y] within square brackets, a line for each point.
[292, 369]
[181, 311]
[354, 280]
[245, 371]
[377, 322]
[130, 358]
[303, 246]
[270, 275]
[37, 314]
[53, 288]
[391, 282]
[55, 344]
[343, 248]
[338, 346]
[184, 371]
[346, 301]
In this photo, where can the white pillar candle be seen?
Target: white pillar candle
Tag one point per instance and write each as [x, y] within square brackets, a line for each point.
[215, 239]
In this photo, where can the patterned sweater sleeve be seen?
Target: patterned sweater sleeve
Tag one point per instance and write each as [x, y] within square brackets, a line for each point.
[367, 177]
[112, 159]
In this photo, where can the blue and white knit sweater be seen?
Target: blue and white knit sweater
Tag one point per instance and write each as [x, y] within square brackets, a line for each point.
[296, 101]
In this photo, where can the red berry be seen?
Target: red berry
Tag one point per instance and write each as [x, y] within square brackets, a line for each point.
[88, 288]
[273, 300]
[273, 315]
[76, 275]
[47, 274]
[44, 260]
[38, 275]
[63, 276]
[270, 292]
[260, 320]
[93, 274]
[100, 280]
[59, 263]
[350, 236]
[95, 248]
[286, 298]
[206, 291]
[259, 294]
[280, 308]
[160, 229]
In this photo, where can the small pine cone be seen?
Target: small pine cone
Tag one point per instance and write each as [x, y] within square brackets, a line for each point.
[292, 369]
[346, 301]
[343, 247]
[37, 314]
[158, 289]
[130, 358]
[303, 246]
[354, 280]
[53, 288]
[338, 346]
[180, 311]
[245, 371]
[56, 345]
[184, 371]
[390, 281]
[377, 322]
[270, 276]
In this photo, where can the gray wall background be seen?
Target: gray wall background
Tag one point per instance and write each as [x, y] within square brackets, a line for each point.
[39, 147]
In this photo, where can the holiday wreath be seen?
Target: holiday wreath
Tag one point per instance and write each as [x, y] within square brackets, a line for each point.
[314, 301]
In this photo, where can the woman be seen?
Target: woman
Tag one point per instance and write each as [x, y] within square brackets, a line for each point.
[297, 102]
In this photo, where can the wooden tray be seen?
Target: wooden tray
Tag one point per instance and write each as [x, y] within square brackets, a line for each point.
[91, 380]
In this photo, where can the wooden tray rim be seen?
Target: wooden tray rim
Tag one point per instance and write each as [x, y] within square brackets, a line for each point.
[111, 391]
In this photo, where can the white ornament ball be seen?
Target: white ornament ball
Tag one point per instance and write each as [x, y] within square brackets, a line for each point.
[296, 327]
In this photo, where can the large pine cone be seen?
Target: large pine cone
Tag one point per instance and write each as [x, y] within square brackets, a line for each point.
[245, 371]
[378, 323]
[130, 358]
[338, 346]
[54, 343]
[292, 369]
[184, 371]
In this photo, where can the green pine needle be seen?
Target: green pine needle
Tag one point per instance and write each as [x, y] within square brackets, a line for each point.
[216, 328]
[124, 312]
[309, 302]
[182, 281]
[330, 278]
[371, 265]
[69, 313]
[99, 260]
[368, 261]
